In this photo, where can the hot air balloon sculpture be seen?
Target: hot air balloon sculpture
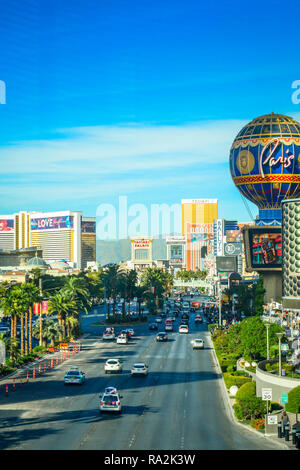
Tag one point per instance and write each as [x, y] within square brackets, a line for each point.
[265, 164]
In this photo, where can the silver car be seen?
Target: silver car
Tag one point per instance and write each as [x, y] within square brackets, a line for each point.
[139, 368]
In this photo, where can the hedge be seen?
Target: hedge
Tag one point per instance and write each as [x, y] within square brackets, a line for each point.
[293, 405]
[247, 404]
[236, 380]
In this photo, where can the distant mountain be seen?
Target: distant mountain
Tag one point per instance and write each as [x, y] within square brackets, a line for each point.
[114, 251]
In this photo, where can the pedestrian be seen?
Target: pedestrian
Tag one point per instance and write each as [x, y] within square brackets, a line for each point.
[285, 421]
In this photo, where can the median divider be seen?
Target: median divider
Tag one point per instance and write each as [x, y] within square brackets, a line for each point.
[66, 351]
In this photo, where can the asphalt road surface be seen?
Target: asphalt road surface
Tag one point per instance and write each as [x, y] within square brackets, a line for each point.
[179, 405]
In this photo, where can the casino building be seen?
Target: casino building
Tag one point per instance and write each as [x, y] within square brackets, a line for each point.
[62, 235]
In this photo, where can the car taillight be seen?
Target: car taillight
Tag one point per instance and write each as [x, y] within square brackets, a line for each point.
[101, 403]
[118, 403]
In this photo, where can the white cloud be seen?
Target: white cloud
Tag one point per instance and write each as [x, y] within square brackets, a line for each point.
[120, 149]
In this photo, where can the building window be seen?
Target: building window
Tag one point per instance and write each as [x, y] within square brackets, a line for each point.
[141, 254]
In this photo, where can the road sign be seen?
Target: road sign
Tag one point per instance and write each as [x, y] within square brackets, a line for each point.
[284, 398]
[272, 419]
[266, 394]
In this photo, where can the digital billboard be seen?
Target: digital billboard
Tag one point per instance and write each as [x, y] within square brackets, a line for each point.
[265, 248]
[54, 223]
[88, 226]
[226, 263]
[7, 225]
[176, 253]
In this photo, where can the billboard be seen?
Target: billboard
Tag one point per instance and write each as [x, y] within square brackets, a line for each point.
[141, 243]
[7, 225]
[233, 236]
[265, 248]
[226, 263]
[54, 223]
[199, 243]
[88, 226]
[232, 249]
[219, 237]
[176, 254]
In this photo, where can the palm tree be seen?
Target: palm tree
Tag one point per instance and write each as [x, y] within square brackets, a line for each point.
[31, 294]
[72, 323]
[63, 304]
[76, 288]
[77, 291]
[110, 278]
[50, 330]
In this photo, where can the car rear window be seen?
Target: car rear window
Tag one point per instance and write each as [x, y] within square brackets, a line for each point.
[139, 366]
[75, 374]
[110, 398]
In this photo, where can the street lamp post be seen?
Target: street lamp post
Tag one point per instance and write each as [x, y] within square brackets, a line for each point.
[267, 325]
[279, 335]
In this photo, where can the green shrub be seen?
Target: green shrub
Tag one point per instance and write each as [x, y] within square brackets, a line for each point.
[238, 381]
[274, 406]
[249, 405]
[246, 390]
[238, 412]
[293, 405]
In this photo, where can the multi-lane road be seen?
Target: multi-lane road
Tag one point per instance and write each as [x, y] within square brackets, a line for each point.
[180, 405]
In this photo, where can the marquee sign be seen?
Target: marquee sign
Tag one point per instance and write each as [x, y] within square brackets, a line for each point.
[141, 243]
[54, 223]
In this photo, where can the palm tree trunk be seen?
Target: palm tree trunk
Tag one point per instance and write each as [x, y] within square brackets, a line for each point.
[59, 319]
[26, 332]
[30, 329]
[22, 335]
[15, 327]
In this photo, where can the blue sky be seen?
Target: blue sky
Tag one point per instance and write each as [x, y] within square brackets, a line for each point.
[136, 98]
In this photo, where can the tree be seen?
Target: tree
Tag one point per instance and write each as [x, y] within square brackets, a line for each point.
[253, 337]
[62, 304]
[110, 278]
[258, 296]
[50, 330]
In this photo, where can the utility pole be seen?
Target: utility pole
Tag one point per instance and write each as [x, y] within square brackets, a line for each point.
[220, 302]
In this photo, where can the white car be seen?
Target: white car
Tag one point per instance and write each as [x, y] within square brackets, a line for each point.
[158, 320]
[139, 368]
[197, 343]
[108, 334]
[110, 402]
[183, 329]
[122, 339]
[113, 365]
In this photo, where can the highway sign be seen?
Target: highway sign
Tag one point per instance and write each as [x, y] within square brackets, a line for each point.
[284, 398]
